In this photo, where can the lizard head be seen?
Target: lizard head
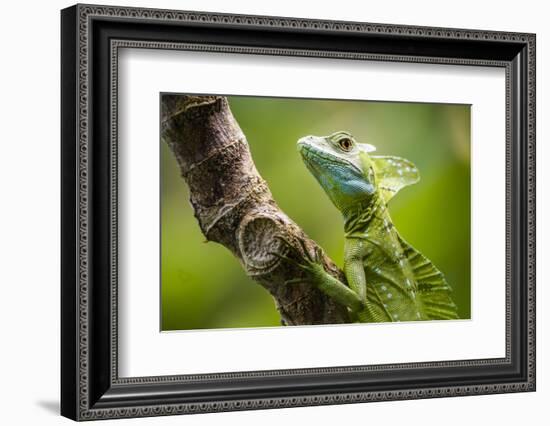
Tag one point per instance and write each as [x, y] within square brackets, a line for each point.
[342, 167]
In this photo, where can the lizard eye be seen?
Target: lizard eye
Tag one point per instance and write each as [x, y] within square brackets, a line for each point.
[346, 144]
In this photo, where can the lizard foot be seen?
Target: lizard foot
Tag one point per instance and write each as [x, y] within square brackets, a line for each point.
[311, 264]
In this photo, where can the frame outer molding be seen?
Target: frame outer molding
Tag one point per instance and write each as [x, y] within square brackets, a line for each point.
[76, 20]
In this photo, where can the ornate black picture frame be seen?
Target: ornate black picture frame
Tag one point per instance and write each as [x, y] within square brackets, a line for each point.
[91, 387]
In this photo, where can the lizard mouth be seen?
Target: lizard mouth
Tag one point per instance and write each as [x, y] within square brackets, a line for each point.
[319, 160]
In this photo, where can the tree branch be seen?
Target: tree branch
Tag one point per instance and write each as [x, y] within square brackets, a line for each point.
[234, 207]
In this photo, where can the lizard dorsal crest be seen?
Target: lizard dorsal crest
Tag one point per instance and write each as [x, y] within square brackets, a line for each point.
[393, 173]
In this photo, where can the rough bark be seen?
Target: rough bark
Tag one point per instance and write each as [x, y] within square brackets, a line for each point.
[234, 207]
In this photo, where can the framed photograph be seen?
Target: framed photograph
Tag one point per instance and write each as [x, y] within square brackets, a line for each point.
[263, 212]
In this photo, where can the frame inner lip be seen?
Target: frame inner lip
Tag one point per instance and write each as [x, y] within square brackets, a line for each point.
[322, 370]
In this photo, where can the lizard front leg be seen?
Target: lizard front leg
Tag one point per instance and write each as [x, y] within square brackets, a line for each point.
[316, 275]
[354, 268]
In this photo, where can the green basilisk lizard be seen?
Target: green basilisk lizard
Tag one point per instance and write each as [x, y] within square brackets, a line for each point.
[388, 279]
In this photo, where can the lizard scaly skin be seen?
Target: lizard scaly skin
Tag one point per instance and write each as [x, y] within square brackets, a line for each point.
[388, 279]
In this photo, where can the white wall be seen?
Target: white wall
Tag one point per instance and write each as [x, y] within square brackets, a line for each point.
[29, 212]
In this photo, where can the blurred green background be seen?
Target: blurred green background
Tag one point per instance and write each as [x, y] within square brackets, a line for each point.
[203, 285]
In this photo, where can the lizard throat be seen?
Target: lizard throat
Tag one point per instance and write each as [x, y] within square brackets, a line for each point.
[358, 217]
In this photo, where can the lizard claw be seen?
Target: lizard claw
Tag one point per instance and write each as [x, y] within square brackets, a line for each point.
[310, 262]
[318, 255]
[285, 258]
[304, 252]
[294, 281]
[288, 245]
